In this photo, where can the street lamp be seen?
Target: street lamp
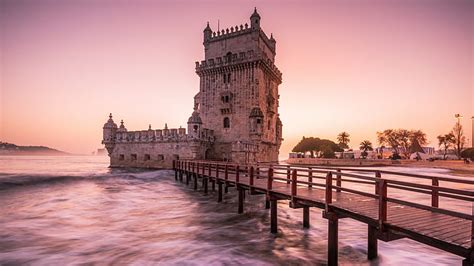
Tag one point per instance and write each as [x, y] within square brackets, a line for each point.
[472, 132]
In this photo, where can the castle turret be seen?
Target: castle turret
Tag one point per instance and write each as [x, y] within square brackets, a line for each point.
[195, 125]
[207, 33]
[122, 127]
[255, 20]
[109, 131]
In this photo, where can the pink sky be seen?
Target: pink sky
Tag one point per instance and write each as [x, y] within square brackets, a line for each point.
[355, 66]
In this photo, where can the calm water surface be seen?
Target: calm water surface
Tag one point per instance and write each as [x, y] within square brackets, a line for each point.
[74, 210]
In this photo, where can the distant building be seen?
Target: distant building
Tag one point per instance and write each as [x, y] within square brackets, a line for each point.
[235, 115]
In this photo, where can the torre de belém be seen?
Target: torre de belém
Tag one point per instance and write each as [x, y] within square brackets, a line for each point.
[235, 115]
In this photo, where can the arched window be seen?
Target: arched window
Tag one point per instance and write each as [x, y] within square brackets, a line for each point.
[228, 78]
[195, 128]
[226, 122]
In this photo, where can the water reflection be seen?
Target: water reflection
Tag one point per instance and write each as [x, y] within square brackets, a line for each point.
[125, 217]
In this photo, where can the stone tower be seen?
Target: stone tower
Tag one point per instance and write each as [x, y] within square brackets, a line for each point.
[238, 94]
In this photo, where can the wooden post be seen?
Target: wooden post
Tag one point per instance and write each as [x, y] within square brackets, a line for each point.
[333, 224]
[204, 183]
[273, 217]
[258, 172]
[434, 192]
[377, 175]
[470, 260]
[294, 182]
[219, 191]
[241, 200]
[251, 176]
[310, 177]
[372, 242]
[175, 170]
[195, 181]
[237, 175]
[328, 190]
[270, 179]
[267, 204]
[188, 174]
[305, 217]
[217, 171]
[288, 174]
[338, 180]
[382, 203]
[226, 172]
[226, 177]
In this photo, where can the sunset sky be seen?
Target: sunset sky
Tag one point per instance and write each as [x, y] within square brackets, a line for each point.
[355, 66]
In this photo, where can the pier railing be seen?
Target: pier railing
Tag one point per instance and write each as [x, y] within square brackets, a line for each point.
[378, 185]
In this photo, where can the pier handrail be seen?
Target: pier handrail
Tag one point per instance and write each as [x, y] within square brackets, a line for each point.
[374, 184]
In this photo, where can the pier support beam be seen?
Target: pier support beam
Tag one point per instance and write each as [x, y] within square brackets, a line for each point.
[267, 204]
[226, 188]
[305, 217]
[175, 174]
[213, 185]
[219, 191]
[241, 200]
[195, 181]
[187, 178]
[273, 217]
[204, 184]
[333, 224]
[372, 249]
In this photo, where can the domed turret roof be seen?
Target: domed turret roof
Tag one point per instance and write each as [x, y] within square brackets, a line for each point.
[256, 112]
[110, 123]
[122, 127]
[195, 118]
[255, 13]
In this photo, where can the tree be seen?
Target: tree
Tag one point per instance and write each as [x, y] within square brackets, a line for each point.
[468, 153]
[459, 138]
[388, 138]
[343, 139]
[320, 147]
[446, 141]
[402, 140]
[365, 146]
[310, 145]
[419, 136]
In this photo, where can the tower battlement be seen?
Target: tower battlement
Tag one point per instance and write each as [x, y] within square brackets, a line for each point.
[238, 60]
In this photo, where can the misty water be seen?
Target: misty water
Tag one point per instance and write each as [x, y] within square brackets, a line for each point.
[74, 210]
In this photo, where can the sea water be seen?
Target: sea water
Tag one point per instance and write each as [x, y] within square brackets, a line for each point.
[76, 210]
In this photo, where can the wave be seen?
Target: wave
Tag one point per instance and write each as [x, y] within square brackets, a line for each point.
[8, 181]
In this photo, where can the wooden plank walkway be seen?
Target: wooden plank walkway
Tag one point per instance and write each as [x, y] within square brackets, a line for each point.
[388, 218]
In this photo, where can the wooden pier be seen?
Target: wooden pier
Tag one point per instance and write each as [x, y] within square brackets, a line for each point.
[359, 194]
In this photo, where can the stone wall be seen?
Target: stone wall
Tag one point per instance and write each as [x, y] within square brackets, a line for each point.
[156, 154]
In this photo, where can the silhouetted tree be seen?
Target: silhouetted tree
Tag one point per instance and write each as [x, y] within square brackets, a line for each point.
[365, 146]
[343, 139]
[402, 139]
[459, 138]
[446, 141]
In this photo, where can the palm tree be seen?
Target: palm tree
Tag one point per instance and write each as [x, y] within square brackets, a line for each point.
[365, 146]
[343, 139]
